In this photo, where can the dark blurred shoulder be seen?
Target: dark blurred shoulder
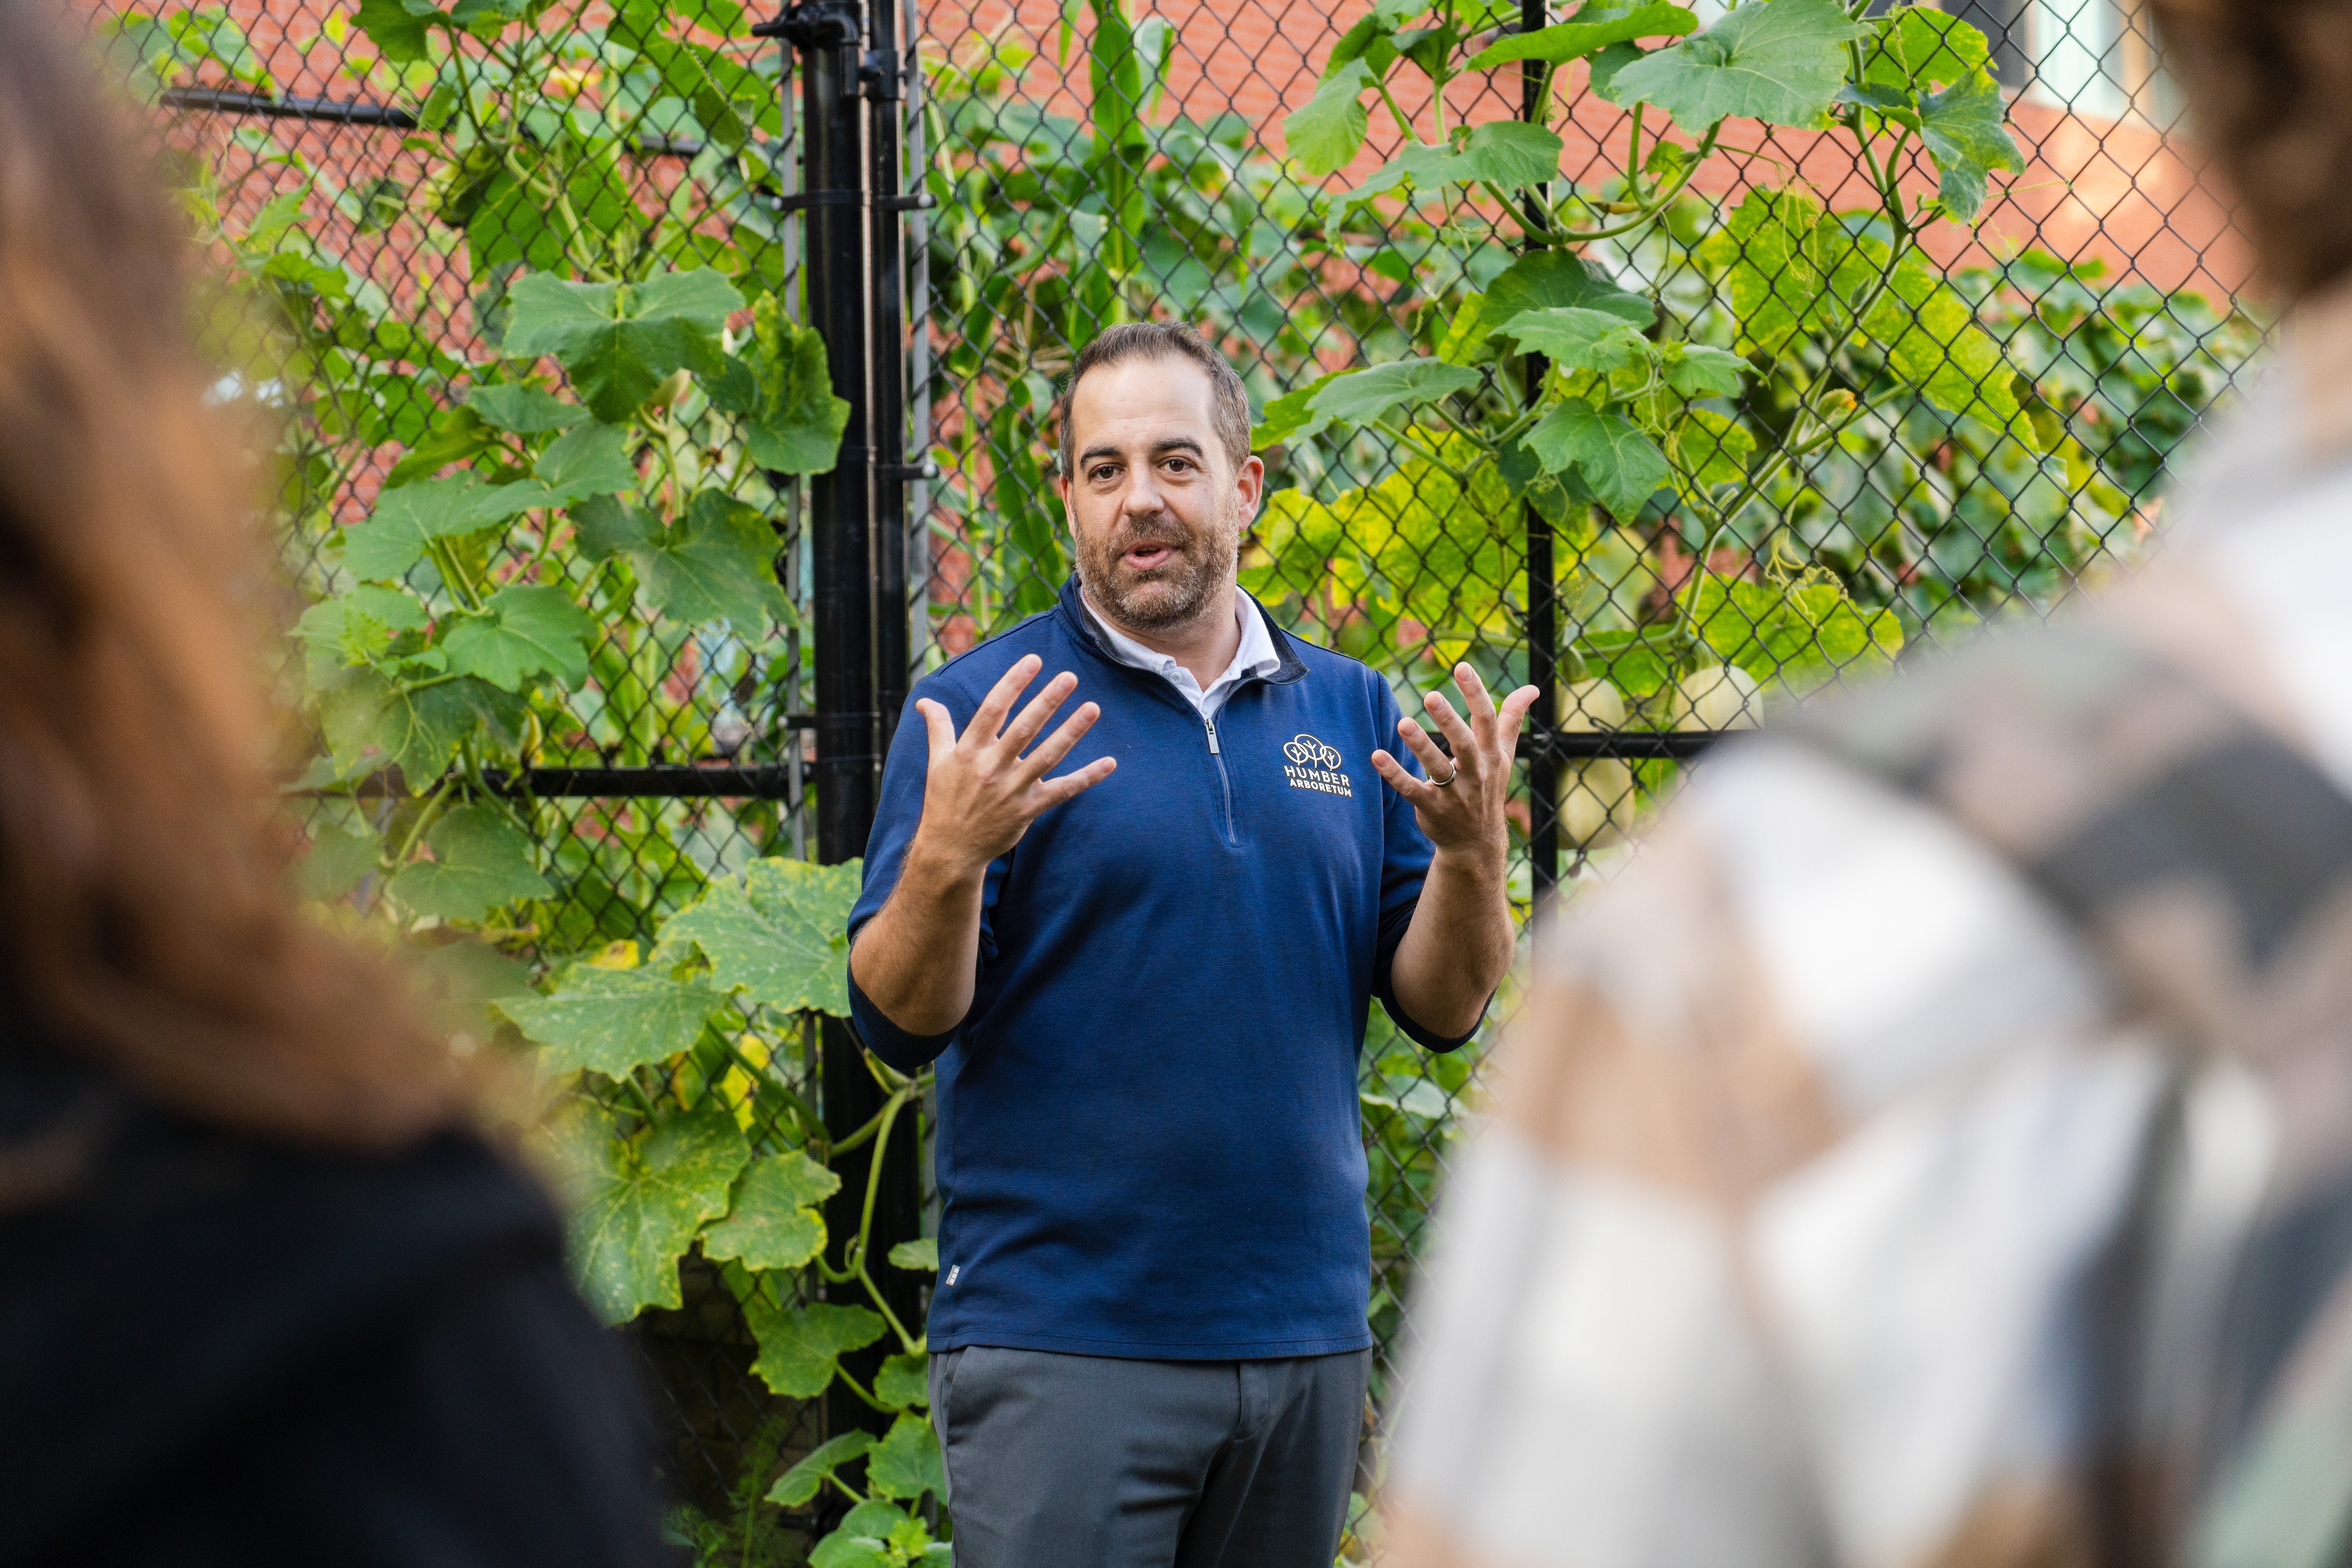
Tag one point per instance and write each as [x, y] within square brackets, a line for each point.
[175, 1296]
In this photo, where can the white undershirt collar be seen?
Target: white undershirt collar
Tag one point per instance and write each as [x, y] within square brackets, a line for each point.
[1256, 657]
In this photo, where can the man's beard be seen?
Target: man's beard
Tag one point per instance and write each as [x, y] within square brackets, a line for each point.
[1199, 563]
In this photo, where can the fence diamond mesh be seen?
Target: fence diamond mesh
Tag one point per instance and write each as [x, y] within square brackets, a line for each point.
[1789, 412]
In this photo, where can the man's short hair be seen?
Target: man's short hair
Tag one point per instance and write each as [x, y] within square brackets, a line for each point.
[1229, 410]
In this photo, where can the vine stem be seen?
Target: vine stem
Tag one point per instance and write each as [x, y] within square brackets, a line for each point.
[445, 560]
[416, 829]
[890, 1109]
[1659, 200]
[1403, 124]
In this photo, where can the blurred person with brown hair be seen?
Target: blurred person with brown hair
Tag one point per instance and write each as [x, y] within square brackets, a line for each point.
[1935, 1150]
[263, 1297]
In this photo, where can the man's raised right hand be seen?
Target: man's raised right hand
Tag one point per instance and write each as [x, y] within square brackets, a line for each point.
[980, 794]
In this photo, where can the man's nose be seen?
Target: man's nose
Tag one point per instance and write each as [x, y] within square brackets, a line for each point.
[1143, 498]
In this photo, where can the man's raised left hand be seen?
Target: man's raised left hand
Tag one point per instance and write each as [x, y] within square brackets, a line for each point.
[1460, 804]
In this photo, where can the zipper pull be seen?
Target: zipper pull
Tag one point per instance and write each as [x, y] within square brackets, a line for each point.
[1212, 723]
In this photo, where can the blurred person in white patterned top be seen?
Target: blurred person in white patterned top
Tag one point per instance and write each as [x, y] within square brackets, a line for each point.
[1934, 1151]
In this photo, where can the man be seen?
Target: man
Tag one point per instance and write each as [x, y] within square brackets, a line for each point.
[1936, 1149]
[1145, 976]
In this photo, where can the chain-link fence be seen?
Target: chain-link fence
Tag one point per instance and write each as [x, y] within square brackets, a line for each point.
[1697, 418]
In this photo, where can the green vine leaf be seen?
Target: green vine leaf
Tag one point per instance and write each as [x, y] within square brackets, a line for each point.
[904, 1383]
[1565, 41]
[621, 341]
[1966, 129]
[408, 518]
[794, 422]
[1325, 134]
[1550, 279]
[398, 27]
[363, 715]
[1777, 633]
[920, 1254]
[1288, 417]
[1919, 45]
[454, 435]
[1694, 370]
[1781, 62]
[335, 864]
[603, 526]
[587, 460]
[481, 860]
[522, 632]
[1934, 342]
[1623, 466]
[356, 628]
[800, 1347]
[641, 1201]
[906, 1463]
[1505, 152]
[1712, 449]
[798, 1486]
[1361, 396]
[774, 1221]
[778, 932]
[610, 1020]
[843, 1548]
[717, 562]
[522, 409]
[1771, 256]
[1577, 337]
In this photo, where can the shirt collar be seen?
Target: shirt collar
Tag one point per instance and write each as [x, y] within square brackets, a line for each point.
[1256, 656]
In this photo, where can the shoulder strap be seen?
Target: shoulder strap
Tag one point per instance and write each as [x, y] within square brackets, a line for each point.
[2207, 864]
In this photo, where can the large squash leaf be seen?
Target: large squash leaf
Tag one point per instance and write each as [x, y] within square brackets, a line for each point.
[641, 1201]
[777, 931]
[611, 1020]
[774, 1221]
[800, 1347]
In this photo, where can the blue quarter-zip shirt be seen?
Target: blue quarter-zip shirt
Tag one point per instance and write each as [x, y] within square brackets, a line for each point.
[1149, 1142]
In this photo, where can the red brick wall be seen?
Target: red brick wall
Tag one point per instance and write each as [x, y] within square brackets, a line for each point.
[2117, 191]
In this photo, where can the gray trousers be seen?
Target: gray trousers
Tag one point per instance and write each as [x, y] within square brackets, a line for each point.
[1073, 1462]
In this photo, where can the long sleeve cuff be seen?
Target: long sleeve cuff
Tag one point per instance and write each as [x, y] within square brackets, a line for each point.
[904, 1051]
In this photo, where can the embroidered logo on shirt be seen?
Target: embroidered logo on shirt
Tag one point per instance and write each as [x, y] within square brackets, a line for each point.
[1316, 766]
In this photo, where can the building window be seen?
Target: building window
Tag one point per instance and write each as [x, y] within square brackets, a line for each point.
[2078, 55]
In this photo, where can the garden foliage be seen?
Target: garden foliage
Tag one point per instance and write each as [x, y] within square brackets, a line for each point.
[538, 482]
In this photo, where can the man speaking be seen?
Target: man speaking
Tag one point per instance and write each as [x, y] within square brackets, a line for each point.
[1142, 947]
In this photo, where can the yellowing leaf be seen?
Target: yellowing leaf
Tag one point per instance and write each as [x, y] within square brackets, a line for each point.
[642, 1200]
[610, 1020]
[1712, 449]
[774, 1221]
[777, 932]
[801, 1346]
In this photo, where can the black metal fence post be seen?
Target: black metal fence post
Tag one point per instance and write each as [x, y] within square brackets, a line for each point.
[859, 588]
[1543, 631]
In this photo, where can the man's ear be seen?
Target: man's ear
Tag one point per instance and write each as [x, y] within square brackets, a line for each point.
[1249, 484]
